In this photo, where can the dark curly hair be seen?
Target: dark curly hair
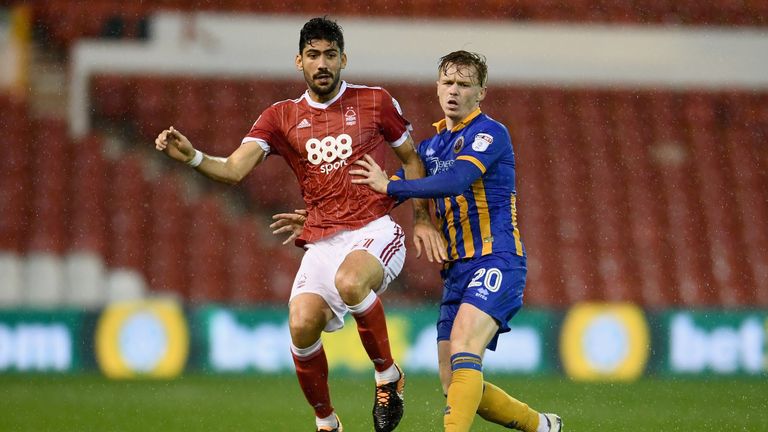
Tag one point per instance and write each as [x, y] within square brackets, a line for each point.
[465, 58]
[321, 28]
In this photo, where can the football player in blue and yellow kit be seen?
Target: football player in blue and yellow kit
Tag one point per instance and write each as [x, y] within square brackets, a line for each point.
[471, 178]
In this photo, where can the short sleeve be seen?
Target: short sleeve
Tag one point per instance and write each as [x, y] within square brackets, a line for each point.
[265, 131]
[394, 127]
[484, 147]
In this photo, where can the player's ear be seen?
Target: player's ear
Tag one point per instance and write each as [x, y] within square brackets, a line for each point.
[343, 60]
[481, 95]
[299, 66]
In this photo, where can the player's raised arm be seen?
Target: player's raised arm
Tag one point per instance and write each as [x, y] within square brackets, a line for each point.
[226, 170]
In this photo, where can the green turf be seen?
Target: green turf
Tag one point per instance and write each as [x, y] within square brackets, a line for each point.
[274, 403]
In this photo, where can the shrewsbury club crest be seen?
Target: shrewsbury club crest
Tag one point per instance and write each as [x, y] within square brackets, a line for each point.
[458, 145]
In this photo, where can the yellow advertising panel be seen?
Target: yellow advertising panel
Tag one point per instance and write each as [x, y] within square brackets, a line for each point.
[147, 338]
[604, 341]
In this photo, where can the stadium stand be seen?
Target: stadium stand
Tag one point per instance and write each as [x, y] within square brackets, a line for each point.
[14, 188]
[533, 185]
[169, 221]
[206, 259]
[643, 216]
[128, 216]
[573, 227]
[744, 143]
[63, 21]
[46, 242]
[248, 282]
[87, 225]
[607, 181]
[657, 197]
[602, 164]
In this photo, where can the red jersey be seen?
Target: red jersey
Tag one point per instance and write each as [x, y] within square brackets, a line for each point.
[320, 142]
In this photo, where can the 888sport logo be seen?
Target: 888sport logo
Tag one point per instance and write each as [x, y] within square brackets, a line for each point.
[330, 152]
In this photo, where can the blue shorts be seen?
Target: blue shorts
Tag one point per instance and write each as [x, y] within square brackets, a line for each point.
[492, 283]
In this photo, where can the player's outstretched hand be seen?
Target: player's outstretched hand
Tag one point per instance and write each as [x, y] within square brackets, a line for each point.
[427, 238]
[371, 174]
[292, 223]
[175, 145]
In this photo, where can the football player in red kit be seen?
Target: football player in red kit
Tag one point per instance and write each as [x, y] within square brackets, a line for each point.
[353, 247]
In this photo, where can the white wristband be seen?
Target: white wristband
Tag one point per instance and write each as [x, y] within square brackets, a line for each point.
[196, 160]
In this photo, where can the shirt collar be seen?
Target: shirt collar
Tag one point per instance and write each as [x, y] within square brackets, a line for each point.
[324, 105]
[440, 125]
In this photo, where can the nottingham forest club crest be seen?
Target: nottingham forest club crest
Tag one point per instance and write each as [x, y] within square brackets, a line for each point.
[350, 116]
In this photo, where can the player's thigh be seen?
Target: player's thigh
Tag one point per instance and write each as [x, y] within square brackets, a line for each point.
[315, 289]
[375, 257]
[359, 274]
[493, 284]
[472, 330]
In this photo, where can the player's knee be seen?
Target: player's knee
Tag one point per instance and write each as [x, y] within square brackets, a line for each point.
[460, 344]
[351, 286]
[305, 328]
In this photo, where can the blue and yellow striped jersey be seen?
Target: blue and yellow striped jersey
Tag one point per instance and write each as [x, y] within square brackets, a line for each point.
[483, 218]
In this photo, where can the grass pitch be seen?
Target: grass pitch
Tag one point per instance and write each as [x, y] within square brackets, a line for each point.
[274, 403]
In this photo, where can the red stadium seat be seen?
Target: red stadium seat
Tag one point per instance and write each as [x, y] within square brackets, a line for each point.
[607, 199]
[732, 290]
[622, 12]
[567, 169]
[206, 252]
[283, 263]
[50, 171]
[88, 197]
[227, 95]
[249, 270]
[646, 222]
[535, 217]
[672, 156]
[188, 109]
[272, 186]
[228, 120]
[16, 180]
[169, 236]
[110, 96]
[152, 105]
[744, 144]
[128, 195]
[64, 21]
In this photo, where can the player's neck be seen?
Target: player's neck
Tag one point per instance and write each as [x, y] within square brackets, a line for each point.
[326, 97]
[450, 123]
[457, 119]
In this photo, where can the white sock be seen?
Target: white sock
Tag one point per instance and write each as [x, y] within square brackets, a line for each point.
[543, 424]
[308, 351]
[364, 305]
[391, 374]
[329, 421]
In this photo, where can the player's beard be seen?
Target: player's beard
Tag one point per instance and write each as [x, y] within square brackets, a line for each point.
[323, 90]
